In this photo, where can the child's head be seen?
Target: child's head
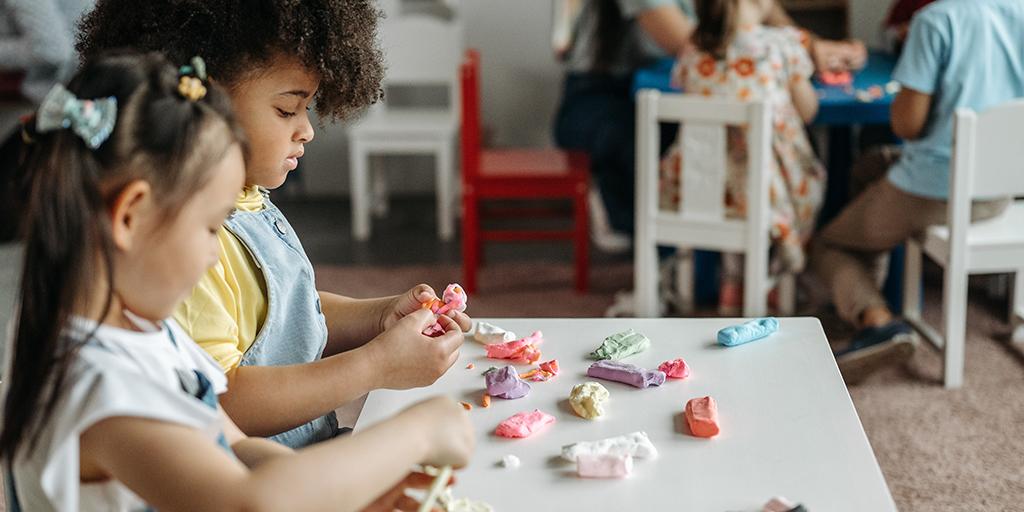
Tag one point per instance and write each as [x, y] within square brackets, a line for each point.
[130, 179]
[720, 19]
[275, 57]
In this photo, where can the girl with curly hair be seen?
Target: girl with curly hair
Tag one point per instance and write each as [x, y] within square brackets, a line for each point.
[292, 354]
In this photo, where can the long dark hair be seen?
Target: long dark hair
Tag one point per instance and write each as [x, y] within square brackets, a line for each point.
[610, 33]
[716, 25]
[160, 137]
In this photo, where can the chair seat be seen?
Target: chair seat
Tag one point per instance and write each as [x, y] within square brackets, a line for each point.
[530, 163]
[1001, 235]
[426, 123]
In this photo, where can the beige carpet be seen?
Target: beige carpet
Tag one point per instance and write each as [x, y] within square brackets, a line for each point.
[940, 450]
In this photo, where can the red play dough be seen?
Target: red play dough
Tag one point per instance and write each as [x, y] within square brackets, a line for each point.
[702, 417]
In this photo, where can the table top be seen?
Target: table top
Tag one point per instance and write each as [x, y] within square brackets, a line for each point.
[789, 427]
[838, 105]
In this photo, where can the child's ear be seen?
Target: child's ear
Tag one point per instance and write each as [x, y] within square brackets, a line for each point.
[130, 207]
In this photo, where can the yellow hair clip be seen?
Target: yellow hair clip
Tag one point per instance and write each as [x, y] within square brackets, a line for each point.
[191, 88]
[190, 85]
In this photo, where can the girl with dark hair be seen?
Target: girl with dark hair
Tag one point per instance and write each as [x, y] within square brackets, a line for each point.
[109, 405]
[739, 57]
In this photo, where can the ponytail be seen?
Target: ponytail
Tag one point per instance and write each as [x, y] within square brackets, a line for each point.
[716, 25]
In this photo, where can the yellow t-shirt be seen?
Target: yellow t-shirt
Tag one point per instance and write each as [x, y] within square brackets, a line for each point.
[226, 310]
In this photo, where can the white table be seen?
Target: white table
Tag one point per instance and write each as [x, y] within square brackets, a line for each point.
[788, 425]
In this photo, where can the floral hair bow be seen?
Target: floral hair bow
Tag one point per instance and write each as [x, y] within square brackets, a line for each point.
[92, 120]
[190, 83]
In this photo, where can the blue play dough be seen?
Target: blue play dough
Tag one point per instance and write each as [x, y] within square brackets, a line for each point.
[745, 333]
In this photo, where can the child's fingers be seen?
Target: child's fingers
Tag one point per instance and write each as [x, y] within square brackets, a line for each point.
[448, 324]
[420, 319]
[422, 293]
[449, 343]
[465, 323]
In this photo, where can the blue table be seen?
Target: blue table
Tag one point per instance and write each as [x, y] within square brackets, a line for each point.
[838, 111]
[839, 106]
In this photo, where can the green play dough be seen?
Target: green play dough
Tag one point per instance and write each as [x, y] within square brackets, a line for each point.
[620, 345]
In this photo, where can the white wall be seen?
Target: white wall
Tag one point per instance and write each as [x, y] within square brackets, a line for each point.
[866, 18]
[521, 85]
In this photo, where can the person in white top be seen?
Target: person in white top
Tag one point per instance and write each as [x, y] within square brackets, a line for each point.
[108, 406]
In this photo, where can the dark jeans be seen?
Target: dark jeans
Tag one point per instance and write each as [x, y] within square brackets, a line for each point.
[598, 116]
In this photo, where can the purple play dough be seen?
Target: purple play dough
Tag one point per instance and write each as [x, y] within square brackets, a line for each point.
[626, 374]
[505, 383]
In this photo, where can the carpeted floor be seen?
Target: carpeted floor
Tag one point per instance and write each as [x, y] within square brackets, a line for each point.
[940, 450]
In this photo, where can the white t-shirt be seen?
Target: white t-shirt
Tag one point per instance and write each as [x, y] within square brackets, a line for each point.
[119, 373]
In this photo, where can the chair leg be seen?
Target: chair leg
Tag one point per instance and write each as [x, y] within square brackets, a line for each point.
[685, 281]
[787, 295]
[360, 191]
[755, 283]
[581, 241]
[645, 275]
[954, 301]
[912, 280]
[470, 241]
[445, 218]
[1017, 313]
[379, 179]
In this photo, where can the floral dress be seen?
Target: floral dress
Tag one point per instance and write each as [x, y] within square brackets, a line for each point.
[760, 64]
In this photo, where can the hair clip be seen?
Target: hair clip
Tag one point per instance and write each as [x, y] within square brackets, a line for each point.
[92, 120]
[190, 83]
[24, 124]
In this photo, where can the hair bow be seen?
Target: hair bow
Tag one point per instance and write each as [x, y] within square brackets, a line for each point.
[92, 120]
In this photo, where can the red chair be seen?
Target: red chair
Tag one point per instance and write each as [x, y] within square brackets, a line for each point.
[515, 174]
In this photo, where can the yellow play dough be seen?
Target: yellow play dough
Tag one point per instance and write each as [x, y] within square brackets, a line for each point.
[588, 400]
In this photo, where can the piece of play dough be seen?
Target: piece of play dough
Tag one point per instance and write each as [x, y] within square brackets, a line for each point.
[588, 399]
[451, 504]
[636, 444]
[702, 417]
[780, 504]
[675, 369]
[747, 332]
[519, 350]
[604, 466]
[510, 462]
[524, 424]
[622, 344]
[454, 298]
[489, 333]
[626, 374]
[543, 372]
[505, 383]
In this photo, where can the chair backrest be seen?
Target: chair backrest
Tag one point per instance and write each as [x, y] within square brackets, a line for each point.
[988, 151]
[703, 124]
[421, 50]
[469, 85]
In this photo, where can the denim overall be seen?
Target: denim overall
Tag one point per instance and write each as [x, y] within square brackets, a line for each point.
[294, 331]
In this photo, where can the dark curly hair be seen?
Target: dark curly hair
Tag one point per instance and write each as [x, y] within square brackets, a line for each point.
[335, 39]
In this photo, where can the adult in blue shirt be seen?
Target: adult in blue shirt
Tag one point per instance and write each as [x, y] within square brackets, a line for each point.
[609, 40]
[958, 54]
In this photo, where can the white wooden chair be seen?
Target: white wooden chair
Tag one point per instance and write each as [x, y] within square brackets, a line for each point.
[420, 50]
[700, 222]
[988, 161]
